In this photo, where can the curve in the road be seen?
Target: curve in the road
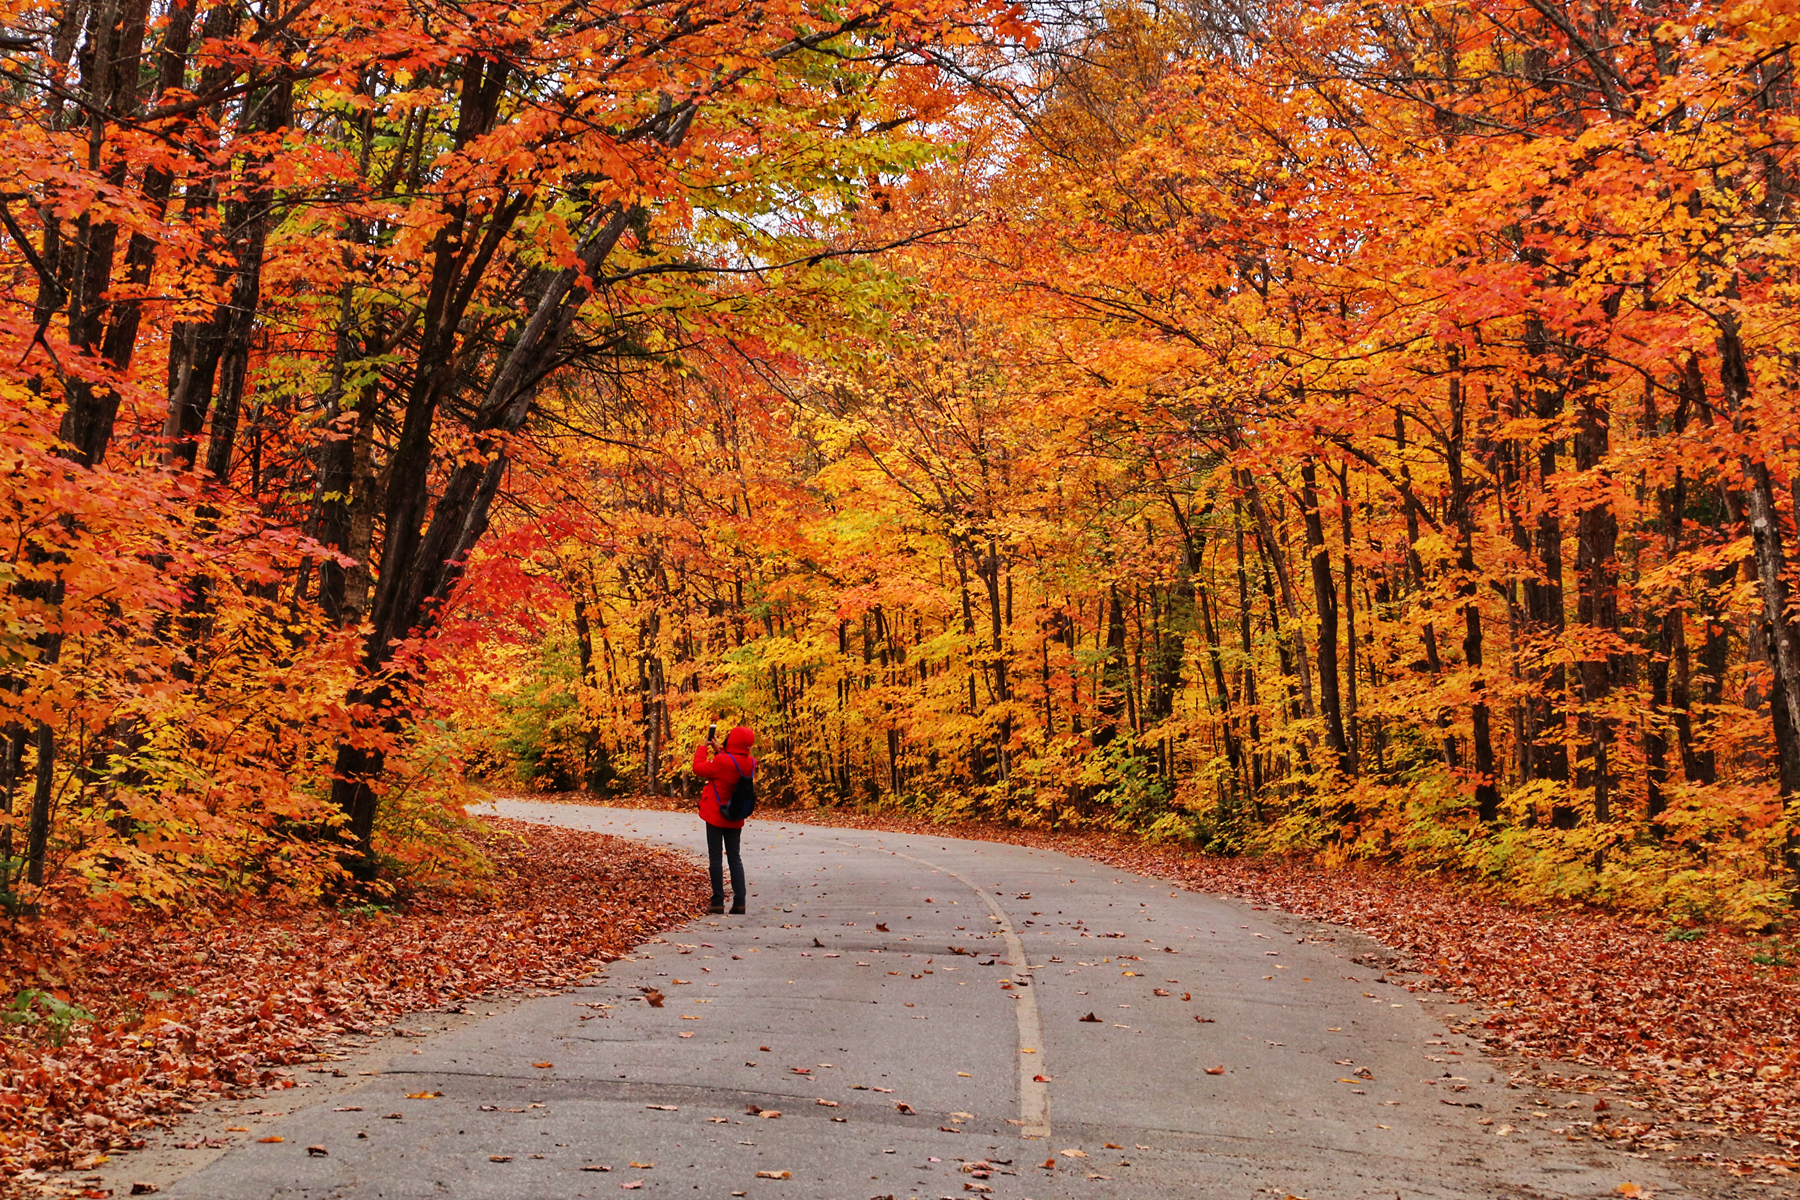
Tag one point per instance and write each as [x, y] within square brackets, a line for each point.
[1208, 1049]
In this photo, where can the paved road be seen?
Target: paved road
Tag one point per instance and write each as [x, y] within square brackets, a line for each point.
[914, 1005]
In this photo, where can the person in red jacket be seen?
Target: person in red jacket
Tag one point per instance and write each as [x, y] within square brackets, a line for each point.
[721, 769]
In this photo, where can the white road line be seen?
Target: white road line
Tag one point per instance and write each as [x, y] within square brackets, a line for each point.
[1034, 1097]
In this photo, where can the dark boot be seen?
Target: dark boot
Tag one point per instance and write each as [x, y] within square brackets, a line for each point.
[717, 906]
[737, 908]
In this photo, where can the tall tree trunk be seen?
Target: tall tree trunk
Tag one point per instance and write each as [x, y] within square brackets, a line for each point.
[1325, 598]
[1544, 602]
[1462, 505]
[1113, 682]
[1670, 651]
[1352, 734]
[1248, 686]
[1597, 607]
[1770, 556]
[1273, 556]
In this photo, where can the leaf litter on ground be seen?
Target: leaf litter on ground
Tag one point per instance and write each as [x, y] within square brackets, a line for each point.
[195, 1006]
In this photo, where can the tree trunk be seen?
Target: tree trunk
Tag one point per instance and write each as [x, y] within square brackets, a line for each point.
[1597, 607]
[1325, 598]
[1487, 791]
[1770, 557]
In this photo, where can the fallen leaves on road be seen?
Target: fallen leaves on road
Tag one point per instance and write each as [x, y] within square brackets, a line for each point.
[774, 1174]
[1215, 1070]
[1091, 1017]
[1579, 985]
[210, 1004]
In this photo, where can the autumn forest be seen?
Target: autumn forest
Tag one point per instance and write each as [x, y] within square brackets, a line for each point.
[1365, 432]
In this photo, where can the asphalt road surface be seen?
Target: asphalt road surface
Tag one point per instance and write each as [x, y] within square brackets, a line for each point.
[932, 1018]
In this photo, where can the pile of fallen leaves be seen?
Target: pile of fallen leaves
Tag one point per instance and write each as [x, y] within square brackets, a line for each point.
[206, 1005]
[1704, 1032]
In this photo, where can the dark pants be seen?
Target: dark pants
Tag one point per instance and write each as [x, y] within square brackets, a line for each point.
[726, 841]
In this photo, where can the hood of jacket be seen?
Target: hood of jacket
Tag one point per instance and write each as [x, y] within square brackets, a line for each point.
[739, 740]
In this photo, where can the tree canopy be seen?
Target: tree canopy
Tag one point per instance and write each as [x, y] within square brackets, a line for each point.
[1365, 431]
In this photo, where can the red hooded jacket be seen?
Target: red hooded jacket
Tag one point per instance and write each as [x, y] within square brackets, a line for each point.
[721, 772]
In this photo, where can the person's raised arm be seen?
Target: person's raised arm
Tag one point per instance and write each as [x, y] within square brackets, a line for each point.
[703, 762]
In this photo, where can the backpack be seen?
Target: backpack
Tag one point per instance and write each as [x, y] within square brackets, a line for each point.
[743, 793]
